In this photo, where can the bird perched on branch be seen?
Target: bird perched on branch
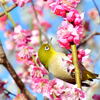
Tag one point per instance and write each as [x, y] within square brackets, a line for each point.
[54, 62]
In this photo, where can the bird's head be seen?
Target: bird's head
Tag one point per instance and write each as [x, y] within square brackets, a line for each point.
[45, 52]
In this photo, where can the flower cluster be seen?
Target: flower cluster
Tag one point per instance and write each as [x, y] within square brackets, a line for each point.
[83, 55]
[21, 36]
[71, 29]
[57, 90]
[37, 78]
[68, 34]
[61, 7]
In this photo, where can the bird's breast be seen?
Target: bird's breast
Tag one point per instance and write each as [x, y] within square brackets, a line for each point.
[58, 68]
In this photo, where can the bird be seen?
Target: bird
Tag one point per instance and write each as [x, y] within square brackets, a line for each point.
[53, 61]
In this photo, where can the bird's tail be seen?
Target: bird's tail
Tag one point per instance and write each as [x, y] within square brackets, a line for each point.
[90, 75]
[93, 75]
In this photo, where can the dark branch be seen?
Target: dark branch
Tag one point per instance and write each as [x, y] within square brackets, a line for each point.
[4, 61]
[9, 92]
[88, 38]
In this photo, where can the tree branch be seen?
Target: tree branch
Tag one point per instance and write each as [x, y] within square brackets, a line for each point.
[88, 38]
[4, 61]
[8, 10]
[8, 92]
[40, 28]
[75, 63]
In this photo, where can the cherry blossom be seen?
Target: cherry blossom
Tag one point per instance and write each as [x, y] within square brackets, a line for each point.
[20, 97]
[61, 7]
[83, 55]
[67, 34]
[21, 3]
[37, 72]
[3, 20]
[96, 97]
[24, 54]
[93, 13]
[21, 36]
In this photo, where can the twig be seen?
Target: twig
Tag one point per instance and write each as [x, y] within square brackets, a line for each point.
[4, 7]
[88, 38]
[40, 28]
[75, 63]
[4, 61]
[9, 92]
[8, 10]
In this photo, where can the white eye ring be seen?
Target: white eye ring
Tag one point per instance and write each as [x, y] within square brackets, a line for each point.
[46, 48]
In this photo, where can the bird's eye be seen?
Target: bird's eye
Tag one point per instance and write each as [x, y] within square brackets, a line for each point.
[46, 48]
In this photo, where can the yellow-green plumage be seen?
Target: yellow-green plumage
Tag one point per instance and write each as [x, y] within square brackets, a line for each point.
[53, 61]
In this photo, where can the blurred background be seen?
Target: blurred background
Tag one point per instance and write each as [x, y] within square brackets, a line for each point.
[23, 17]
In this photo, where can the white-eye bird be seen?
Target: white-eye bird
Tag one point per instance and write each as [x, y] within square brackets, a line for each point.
[54, 63]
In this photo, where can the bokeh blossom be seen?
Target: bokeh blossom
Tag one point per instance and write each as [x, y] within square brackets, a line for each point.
[93, 14]
[3, 21]
[20, 97]
[21, 3]
[96, 97]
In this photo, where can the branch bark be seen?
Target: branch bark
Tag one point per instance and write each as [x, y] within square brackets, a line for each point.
[8, 10]
[88, 38]
[4, 61]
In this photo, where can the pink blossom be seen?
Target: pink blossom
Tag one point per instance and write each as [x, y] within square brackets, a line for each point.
[68, 34]
[21, 3]
[74, 17]
[79, 93]
[3, 22]
[93, 13]
[39, 85]
[71, 3]
[34, 39]
[21, 36]
[83, 55]
[58, 9]
[46, 25]
[61, 7]
[25, 54]
[20, 97]
[58, 90]
[37, 72]
[10, 45]
[96, 97]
